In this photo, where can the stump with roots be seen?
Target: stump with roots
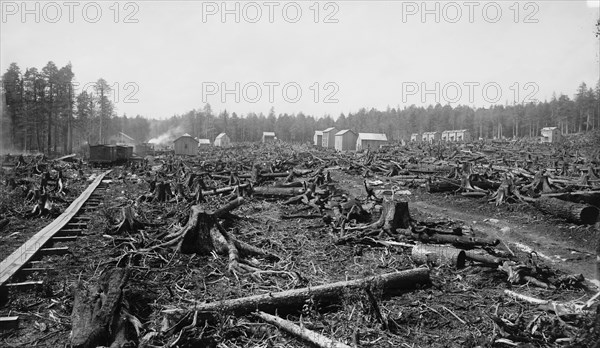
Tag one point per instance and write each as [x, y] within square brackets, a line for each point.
[203, 234]
[129, 223]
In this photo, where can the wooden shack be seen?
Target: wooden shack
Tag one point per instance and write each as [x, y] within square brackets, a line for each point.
[318, 138]
[345, 140]
[550, 135]
[222, 140]
[370, 141]
[416, 138]
[186, 145]
[329, 138]
[203, 143]
[431, 137]
[268, 137]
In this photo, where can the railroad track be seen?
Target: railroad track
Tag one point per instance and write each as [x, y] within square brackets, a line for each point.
[28, 260]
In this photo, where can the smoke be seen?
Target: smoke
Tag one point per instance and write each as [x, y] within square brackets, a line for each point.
[167, 137]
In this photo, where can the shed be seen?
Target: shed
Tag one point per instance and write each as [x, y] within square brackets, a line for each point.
[268, 137]
[345, 140]
[416, 137]
[370, 140]
[329, 138]
[203, 142]
[463, 135]
[222, 140]
[550, 135]
[318, 138]
[185, 145]
[431, 136]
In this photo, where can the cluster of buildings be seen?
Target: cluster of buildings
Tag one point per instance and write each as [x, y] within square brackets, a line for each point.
[188, 145]
[348, 140]
[448, 135]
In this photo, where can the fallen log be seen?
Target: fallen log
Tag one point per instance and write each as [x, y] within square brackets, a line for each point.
[292, 300]
[98, 316]
[277, 191]
[301, 332]
[438, 255]
[442, 186]
[589, 197]
[573, 212]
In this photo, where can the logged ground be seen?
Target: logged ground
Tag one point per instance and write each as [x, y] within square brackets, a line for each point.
[463, 307]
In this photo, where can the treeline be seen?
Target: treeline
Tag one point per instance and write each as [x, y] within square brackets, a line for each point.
[582, 113]
[43, 111]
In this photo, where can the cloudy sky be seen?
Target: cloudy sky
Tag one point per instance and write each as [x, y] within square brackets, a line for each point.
[168, 57]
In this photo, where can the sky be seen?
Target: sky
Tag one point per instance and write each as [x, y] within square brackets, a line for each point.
[321, 58]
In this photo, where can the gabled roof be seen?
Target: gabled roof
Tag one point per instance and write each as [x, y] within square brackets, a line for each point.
[269, 134]
[187, 136]
[549, 128]
[342, 132]
[126, 136]
[220, 136]
[319, 132]
[372, 136]
[329, 129]
[204, 141]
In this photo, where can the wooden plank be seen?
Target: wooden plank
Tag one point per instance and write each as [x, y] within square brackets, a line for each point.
[25, 285]
[16, 260]
[26, 271]
[68, 232]
[53, 251]
[63, 238]
[9, 323]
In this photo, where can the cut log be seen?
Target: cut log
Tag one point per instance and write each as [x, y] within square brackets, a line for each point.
[438, 255]
[292, 300]
[97, 311]
[442, 186]
[573, 212]
[301, 332]
[276, 191]
[589, 197]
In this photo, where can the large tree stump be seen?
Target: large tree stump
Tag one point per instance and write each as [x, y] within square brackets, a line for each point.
[394, 215]
[129, 223]
[573, 212]
[98, 316]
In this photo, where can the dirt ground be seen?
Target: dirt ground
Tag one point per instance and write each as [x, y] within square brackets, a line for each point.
[461, 308]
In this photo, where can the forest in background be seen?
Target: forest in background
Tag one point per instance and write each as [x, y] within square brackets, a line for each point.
[41, 112]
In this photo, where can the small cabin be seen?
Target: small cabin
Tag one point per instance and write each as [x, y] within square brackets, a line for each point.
[416, 138]
[345, 140]
[186, 145]
[550, 134]
[329, 138]
[268, 137]
[203, 143]
[463, 135]
[222, 140]
[370, 141]
[318, 138]
[431, 137]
